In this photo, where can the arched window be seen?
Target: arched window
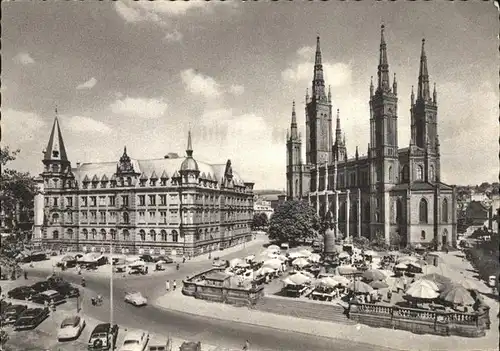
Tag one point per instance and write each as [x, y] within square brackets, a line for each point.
[206, 234]
[126, 234]
[55, 218]
[390, 173]
[125, 217]
[113, 234]
[175, 236]
[423, 214]
[55, 234]
[94, 233]
[399, 211]
[422, 235]
[420, 173]
[85, 233]
[342, 212]
[296, 187]
[103, 234]
[163, 234]
[142, 234]
[444, 211]
[70, 233]
[153, 234]
[366, 212]
[431, 173]
[405, 173]
[197, 235]
[354, 211]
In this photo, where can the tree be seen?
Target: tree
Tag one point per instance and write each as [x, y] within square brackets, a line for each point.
[17, 190]
[294, 221]
[259, 220]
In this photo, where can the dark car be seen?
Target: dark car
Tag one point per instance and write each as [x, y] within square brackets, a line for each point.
[21, 293]
[190, 346]
[147, 258]
[31, 318]
[102, 336]
[49, 296]
[166, 259]
[66, 290]
[41, 286]
[13, 312]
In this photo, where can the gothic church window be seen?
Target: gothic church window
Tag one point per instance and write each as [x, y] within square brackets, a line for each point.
[142, 234]
[422, 235]
[405, 173]
[444, 211]
[103, 234]
[399, 212]
[163, 234]
[431, 173]
[420, 173]
[390, 173]
[55, 234]
[85, 234]
[423, 211]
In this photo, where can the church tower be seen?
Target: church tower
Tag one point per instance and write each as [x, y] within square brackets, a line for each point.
[384, 163]
[318, 117]
[294, 160]
[424, 125]
[57, 179]
[339, 148]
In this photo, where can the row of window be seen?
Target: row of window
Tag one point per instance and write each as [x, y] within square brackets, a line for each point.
[152, 235]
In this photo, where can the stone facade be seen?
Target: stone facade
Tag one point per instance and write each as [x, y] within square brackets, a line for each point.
[170, 206]
[389, 190]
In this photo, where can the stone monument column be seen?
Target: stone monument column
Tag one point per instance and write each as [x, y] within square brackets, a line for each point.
[347, 210]
[326, 188]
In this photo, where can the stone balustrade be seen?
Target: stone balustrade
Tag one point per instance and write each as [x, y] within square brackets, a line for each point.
[420, 321]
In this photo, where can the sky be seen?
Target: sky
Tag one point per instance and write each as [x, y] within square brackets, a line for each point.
[141, 74]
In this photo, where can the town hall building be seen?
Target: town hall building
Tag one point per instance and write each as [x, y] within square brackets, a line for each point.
[174, 206]
[391, 190]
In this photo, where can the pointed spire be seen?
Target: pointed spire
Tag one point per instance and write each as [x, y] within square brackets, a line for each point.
[55, 148]
[293, 127]
[412, 97]
[307, 95]
[318, 86]
[189, 150]
[338, 130]
[383, 66]
[395, 85]
[357, 153]
[330, 93]
[371, 86]
[434, 95]
[423, 77]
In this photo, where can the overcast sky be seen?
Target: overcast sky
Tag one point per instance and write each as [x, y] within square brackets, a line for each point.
[141, 74]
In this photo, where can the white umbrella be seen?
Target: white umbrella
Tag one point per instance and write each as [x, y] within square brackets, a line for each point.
[328, 281]
[344, 255]
[273, 247]
[296, 254]
[160, 262]
[341, 280]
[370, 253]
[401, 266]
[250, 257]
[429, 283]
[422, 291]
[282, 258]
[273, 263]
[235, 262]
[299, 278]
[414, 264]
[288, 281]
[306, 252]
[301, 262]
[314, 257]
[264, 271]
[407, 258]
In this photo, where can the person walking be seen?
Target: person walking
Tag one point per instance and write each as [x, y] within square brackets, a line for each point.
[246, 347]
[175, 285]
[167, 285]
[25, 275]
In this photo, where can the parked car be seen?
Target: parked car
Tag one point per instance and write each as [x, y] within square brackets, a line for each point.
[136, 298]
[66, 290]
[102, 336]
[21, 293]
[13, 313]
[48, 296]
[218, 263]
[41, 286]
[147, 258]
[71, 328]
[190, 346]
[158, 343]
[3, 306]
[135, 341]
[166, 259]
[31, 318]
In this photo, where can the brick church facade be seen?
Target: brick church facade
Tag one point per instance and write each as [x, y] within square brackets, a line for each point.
[391, 190]
[174, 206]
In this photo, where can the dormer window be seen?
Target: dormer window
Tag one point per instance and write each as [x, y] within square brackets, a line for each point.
[129, 181]
[152, 182]
[142, 183]
[55, 168]
[163, 182]
[55, 153]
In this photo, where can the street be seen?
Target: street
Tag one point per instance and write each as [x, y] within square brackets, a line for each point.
[190, 326]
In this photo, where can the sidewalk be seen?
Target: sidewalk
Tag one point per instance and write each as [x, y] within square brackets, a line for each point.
[399, 339]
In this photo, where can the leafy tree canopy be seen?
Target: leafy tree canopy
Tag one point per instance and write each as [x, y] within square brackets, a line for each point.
[16, 188]
[294, 221]
[260, 220]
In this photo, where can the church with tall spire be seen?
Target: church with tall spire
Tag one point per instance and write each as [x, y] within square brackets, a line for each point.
[168, 206]
[391, 192]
